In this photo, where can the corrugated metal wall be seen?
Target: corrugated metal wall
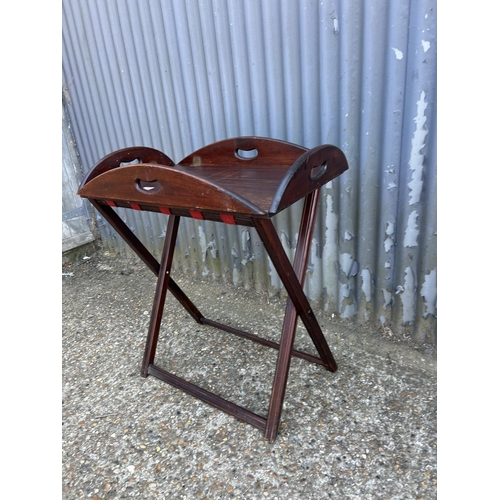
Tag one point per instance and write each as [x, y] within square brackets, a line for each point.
[357, 74]
[76, 230]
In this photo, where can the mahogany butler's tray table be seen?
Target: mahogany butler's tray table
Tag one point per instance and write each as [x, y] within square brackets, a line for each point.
[243, 181]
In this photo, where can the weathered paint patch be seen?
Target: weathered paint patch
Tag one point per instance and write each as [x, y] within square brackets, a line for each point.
[412, 231]
[426, 45]
[335, 26]
[349, 266]
[389, 231]
[387, 298]
[349, 311]
[348, 236]
[274, 277]
[202, 238]
[245, 246]
[397, 53]
[429, 293]
[346, 261]
[366, 284]
[286, 244]
[388, 244]
[213, 248]
[345, 290]
[236, 275]
[408, 297]
[330, 249]
[416, 162]
[313, 290]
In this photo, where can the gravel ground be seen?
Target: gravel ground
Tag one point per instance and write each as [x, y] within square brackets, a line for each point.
[366, 432]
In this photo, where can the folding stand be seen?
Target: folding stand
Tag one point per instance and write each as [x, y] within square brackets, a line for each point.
[241, 181]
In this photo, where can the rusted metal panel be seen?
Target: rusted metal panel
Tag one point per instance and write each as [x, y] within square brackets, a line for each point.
[357, 74]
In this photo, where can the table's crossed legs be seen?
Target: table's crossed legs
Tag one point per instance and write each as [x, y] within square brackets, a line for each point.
[292, 277]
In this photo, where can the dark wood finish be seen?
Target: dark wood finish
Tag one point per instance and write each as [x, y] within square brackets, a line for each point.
[290, 320]
[309, 172]
[241, 181]
[209, 397]
[215, 179]
[180, 188]
[161, 292]
[262, 341]
[224, 153]
[284, 269]
[135, 244]
[127, 155]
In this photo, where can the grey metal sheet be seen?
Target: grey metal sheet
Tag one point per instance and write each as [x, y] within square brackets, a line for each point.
[357, 74]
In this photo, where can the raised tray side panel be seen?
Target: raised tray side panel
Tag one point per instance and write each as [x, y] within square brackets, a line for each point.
[242, 152]
[312, 170]
[137, 154]
[166, 186]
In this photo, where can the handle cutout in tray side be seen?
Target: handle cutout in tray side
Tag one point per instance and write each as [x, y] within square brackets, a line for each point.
[136, 161]
[317, 172]
[246, 154]
[148, 187]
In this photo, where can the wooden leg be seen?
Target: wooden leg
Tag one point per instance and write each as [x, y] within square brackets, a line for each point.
[290, 281]
[136, 245]
[161, 292]
[293, 279]
[297, 305]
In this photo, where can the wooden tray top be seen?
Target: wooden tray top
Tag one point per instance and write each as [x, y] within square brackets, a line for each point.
[243, 176]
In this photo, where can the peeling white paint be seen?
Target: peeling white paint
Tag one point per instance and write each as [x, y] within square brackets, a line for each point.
[387, 264]
[346, 261]
[389, 231]
[398, 53]
[213, 249]
[388, 244]
[236, 276]
[382, 320]
[245, 246]
[392, 185]
[349, 311]
[348, 236]
[366, 284]
[349, 265]
[274, 277]
[203, 243]
[426, 45]
[387, 298]
[429, 293]
[408, 297]
[412, 231]
[416, 162]
[330, 249]
[313, 285]
[335, 25]
[345, 290]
